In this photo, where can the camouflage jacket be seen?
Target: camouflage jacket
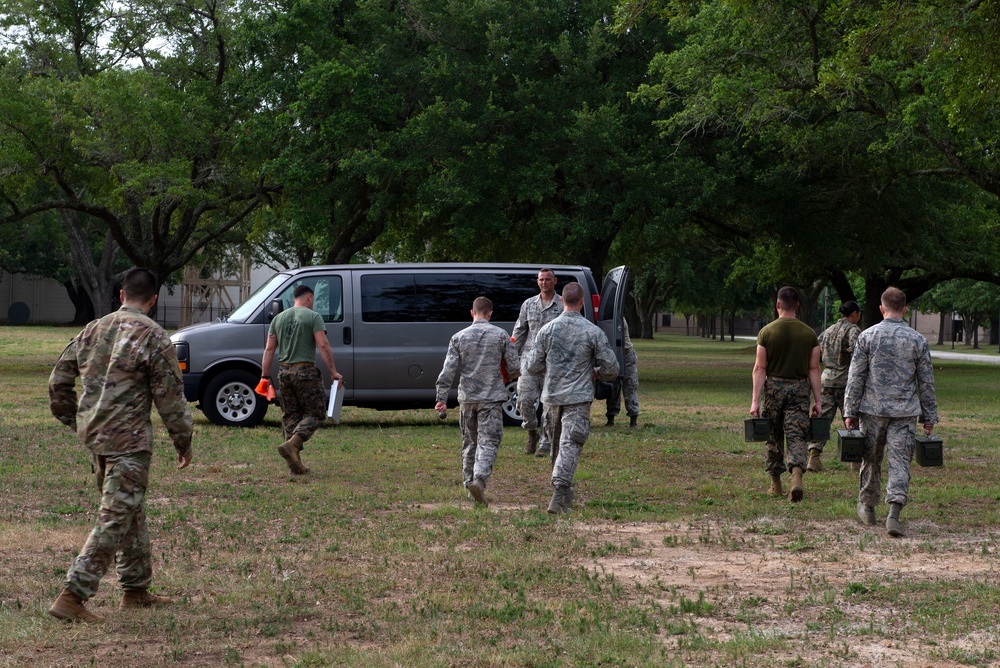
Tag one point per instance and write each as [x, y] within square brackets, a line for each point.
[566, 352]
[474, 354]
[125, 362]
[891, 374]
[836, 345]
[531, 319]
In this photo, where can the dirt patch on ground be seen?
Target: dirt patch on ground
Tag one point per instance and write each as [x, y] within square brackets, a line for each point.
[761, 580]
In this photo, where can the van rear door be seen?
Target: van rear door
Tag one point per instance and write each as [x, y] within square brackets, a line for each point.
[611, 314]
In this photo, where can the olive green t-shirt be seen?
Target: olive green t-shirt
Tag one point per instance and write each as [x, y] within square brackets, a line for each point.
[296, 329]
[789, 344]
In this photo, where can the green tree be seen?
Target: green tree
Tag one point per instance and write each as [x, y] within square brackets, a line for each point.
[131, 115]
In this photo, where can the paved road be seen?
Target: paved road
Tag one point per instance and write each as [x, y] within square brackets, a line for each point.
[965, 357]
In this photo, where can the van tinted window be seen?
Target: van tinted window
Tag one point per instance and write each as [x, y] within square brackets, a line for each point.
[434, 297]
[328, 296]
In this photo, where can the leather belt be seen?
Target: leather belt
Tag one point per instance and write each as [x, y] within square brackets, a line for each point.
[300, 364]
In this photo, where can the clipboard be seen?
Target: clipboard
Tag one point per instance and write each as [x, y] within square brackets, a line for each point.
[336, 401]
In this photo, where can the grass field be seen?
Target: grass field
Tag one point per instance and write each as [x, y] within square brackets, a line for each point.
[675, 556]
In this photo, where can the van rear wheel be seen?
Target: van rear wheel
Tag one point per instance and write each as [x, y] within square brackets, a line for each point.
[229, 400]
[511, 414]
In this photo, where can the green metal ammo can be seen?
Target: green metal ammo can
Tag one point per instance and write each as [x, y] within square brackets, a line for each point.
[757, 429]
[850, 443]
[930, 451]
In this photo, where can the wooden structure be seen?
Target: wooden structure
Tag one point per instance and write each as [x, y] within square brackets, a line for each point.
[210, 291]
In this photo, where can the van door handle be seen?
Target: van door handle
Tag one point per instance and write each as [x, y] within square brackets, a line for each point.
[347, 336]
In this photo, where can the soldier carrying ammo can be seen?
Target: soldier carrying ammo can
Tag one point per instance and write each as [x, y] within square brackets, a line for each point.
[890, 387]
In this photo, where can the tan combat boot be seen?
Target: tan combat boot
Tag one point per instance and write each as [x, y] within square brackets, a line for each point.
[290, 450]
[795, 494]
[69, 606]
[141, 598]
[477, 490]
[532, 444]
[814, 464]
[775, 489]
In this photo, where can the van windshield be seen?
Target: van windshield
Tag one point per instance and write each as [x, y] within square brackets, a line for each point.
[245, 310]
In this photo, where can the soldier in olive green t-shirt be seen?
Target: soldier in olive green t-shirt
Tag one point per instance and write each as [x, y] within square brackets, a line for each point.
[785, 371]
[296, 334]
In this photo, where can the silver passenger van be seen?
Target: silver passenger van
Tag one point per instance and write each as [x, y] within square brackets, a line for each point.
[388, 326]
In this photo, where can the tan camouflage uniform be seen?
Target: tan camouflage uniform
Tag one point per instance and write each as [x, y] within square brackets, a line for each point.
[532, 318]
[126, 363]
[566, 352]
[836, 345]
[891, 387]
[629, 381]
[474, 355]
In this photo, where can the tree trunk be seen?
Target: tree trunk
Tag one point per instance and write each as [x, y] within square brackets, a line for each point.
[82, 305]
[942, 323]
[96, 277]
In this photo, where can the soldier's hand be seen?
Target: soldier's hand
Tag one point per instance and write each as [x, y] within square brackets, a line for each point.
[440, 406]
[851, 423]
[928, 428]
[817, 409]
[754, 409]
[182, 461]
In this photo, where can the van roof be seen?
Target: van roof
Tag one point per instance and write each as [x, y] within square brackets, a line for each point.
[441, 265]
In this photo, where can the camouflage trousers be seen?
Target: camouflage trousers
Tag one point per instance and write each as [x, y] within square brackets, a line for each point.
[627, 385]
[786, 405]
[303, 400]
[482, 429]
[120, 531]
[529, 393]
[833, 398]
[897, 437]
[568, 428]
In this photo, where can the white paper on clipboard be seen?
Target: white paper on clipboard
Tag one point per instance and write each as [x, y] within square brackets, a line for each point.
[336, 401]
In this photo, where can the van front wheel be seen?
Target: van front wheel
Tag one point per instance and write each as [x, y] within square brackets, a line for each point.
[229, 400]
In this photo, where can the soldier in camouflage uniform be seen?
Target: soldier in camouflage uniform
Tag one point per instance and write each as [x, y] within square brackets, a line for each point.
[786, 369]
[536, 312]
[836, 346]
[890, 387]
[296, 334]
[566, 352]
[628, 385]
[474, 355]
[126, 363]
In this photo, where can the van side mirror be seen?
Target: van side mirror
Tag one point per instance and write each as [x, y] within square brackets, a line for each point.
[276, 307]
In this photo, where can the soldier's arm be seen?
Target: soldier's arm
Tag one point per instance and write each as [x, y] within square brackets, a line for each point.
[925, 390]
[512, 361]
[607, 363]
[852, 339]
[167, 387]
[520, 333]
[857, 377]
[62, 387]
[759, 376]
[534, 362]
[448, 372]
[327, 354]
[814, 382]
[269, 348]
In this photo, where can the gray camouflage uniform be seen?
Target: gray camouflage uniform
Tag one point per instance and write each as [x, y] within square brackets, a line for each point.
[126, 363]
[474, 355]
[629, 385]
[530, 320]
[836, 346]
[890, 387]
[566, 352]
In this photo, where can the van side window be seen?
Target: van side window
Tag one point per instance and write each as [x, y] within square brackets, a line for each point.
[328, 296]
[416, 297]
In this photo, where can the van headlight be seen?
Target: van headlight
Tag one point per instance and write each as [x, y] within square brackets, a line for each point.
[183, 355]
